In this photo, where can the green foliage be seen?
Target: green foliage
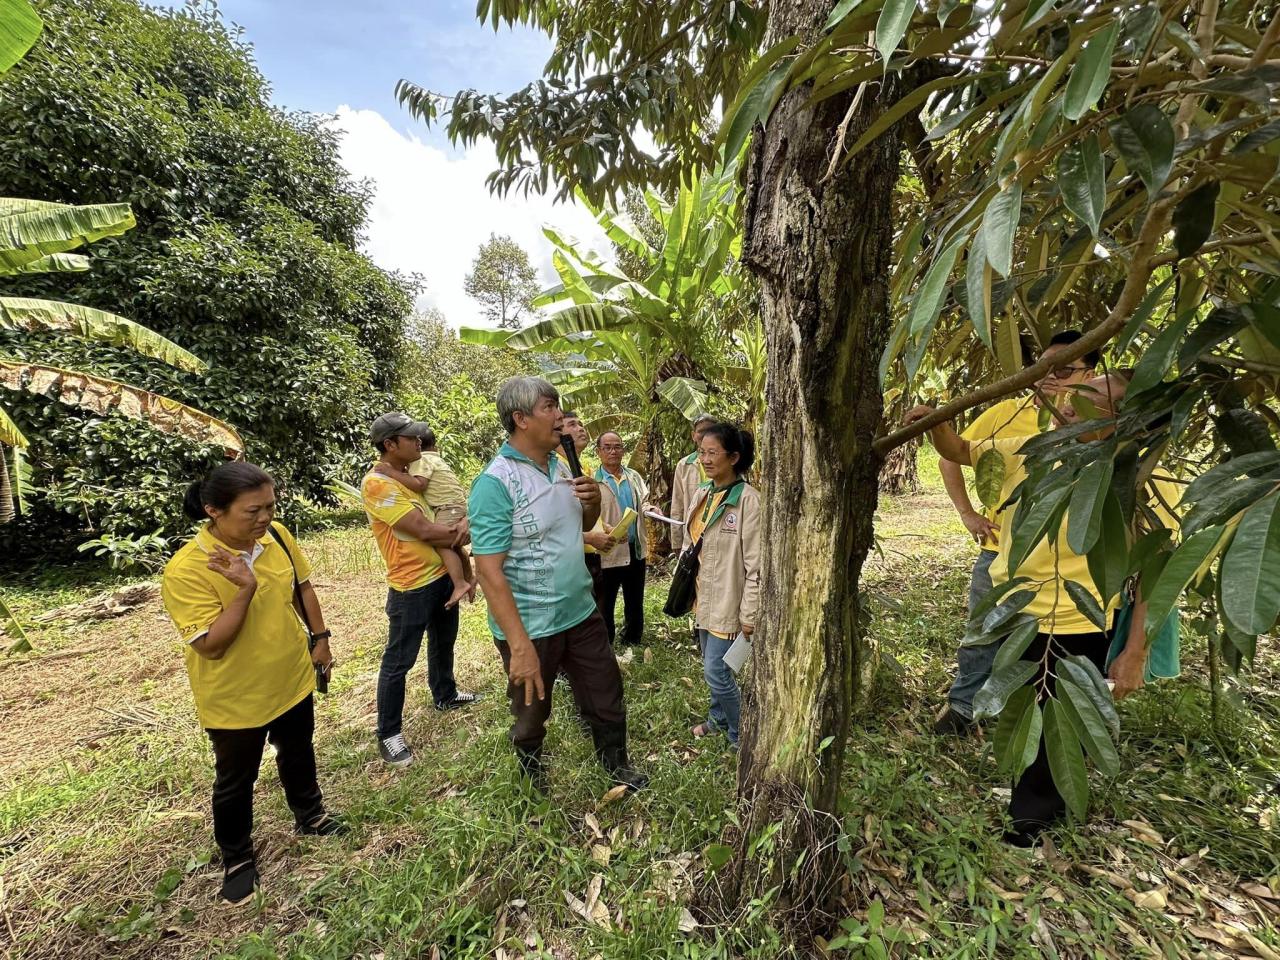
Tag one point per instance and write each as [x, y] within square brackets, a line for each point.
[618, 68]
[503, 282]
[145, 553]
[452, 385]
[633, 348]
[244, 251]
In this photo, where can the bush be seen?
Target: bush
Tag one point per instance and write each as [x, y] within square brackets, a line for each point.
[244, 254]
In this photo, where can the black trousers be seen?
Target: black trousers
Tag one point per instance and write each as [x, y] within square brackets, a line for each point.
[631, 581]
[237, 756]
[1035, 802]
[410, 614]
[583, 652]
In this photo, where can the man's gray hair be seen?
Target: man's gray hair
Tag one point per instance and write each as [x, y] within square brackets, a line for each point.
[521, 395]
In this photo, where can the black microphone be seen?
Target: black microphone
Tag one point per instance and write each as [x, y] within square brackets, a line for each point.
[571, 454]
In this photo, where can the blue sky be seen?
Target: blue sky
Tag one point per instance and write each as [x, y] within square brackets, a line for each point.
[321, 54]
[431, 210]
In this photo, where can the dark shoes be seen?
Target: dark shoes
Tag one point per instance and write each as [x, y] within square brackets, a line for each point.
[533, 769]
[325, 826]
[611, 748]
[953, 724]
[239, 882]
[629, 777]
[460, 699]
[395, 751]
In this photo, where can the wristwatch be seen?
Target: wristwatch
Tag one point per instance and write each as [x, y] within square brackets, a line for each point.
[322, 635]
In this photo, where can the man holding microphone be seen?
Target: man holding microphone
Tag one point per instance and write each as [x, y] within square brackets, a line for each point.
[527, 512]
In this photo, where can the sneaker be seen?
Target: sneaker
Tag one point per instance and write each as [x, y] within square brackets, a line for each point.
[953, 724]
[326, 826]
[239, 882]
[460, 699]
[395, 751]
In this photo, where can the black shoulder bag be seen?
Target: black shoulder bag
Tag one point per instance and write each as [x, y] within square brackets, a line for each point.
[322, 674]
[684, 582]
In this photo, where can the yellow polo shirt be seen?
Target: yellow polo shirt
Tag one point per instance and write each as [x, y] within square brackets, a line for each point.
[1008, 418]
[1051, 562]
[267, 669]
[411, 563]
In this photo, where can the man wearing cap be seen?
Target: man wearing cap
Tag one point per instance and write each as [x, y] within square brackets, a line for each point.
[420, 587]
[527, 520]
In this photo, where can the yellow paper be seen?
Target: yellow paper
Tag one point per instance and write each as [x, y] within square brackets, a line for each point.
[624, 523]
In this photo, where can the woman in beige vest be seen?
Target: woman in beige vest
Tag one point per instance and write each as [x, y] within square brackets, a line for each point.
[725, 515]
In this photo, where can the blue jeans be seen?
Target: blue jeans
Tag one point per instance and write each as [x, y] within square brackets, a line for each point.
[412, 613]
[975, 662]
[726, 702]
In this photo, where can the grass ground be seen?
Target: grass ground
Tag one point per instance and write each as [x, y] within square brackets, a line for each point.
[105, 848]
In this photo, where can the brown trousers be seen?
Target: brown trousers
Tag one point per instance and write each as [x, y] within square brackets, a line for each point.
[584, 653]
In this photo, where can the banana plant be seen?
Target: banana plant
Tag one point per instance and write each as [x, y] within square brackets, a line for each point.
[630, 347]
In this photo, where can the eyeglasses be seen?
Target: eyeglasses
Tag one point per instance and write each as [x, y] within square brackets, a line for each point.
[1061, 373]
[613, 447]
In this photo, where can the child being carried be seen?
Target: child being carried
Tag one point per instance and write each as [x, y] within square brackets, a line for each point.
[433, 478]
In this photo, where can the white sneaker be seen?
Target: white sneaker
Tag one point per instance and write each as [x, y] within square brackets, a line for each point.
[395, 751]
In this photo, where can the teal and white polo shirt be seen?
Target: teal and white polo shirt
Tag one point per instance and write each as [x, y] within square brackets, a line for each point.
[533, 517]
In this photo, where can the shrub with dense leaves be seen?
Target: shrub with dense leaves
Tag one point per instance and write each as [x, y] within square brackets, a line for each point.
[243, 253]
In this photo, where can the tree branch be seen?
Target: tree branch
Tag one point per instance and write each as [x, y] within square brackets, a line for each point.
[1244, 240]
[1135, 288]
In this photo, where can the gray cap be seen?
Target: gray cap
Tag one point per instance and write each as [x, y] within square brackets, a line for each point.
[396, 424]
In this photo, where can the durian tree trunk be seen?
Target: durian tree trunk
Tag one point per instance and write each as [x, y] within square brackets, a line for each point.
[820, 242]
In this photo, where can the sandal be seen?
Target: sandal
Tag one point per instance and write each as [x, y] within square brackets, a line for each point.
[324, 826]
[702, 730]
[239, 882]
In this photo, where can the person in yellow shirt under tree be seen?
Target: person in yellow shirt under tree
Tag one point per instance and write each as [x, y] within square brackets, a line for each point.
[231, 592]
[1013, 417]
[432, 477]
[1064, 630]
[419, 587]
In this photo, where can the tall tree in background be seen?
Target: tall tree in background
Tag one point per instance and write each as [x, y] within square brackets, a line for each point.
[503, 282]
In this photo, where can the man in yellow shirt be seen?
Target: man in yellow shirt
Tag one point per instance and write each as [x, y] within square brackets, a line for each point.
[419, 587]
[1013, 417]
[1063, 629]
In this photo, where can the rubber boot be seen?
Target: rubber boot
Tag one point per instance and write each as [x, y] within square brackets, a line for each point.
[532, 768]
[611, 748]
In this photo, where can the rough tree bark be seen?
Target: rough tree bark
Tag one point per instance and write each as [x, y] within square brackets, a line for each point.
[821, 245]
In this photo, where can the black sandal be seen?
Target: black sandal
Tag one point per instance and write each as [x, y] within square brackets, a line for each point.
[239, 882]
[325, 826]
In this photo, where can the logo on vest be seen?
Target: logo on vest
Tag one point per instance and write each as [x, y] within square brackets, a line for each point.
[731, 521]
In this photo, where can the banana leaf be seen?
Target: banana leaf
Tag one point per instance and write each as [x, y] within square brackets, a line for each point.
[52, 316]
[19, 29]
[33, 229]
[102, 396]
[687, 396]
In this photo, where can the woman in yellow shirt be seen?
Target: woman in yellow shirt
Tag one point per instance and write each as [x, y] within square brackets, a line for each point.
[230, 592]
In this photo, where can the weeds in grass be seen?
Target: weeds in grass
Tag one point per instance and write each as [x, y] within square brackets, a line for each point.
[106, 851]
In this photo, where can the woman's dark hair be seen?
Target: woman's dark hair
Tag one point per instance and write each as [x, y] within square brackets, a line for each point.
[1092, 358]
[221, 486]
[734, 440]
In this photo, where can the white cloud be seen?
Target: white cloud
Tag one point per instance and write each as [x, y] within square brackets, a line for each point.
[431, 210]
